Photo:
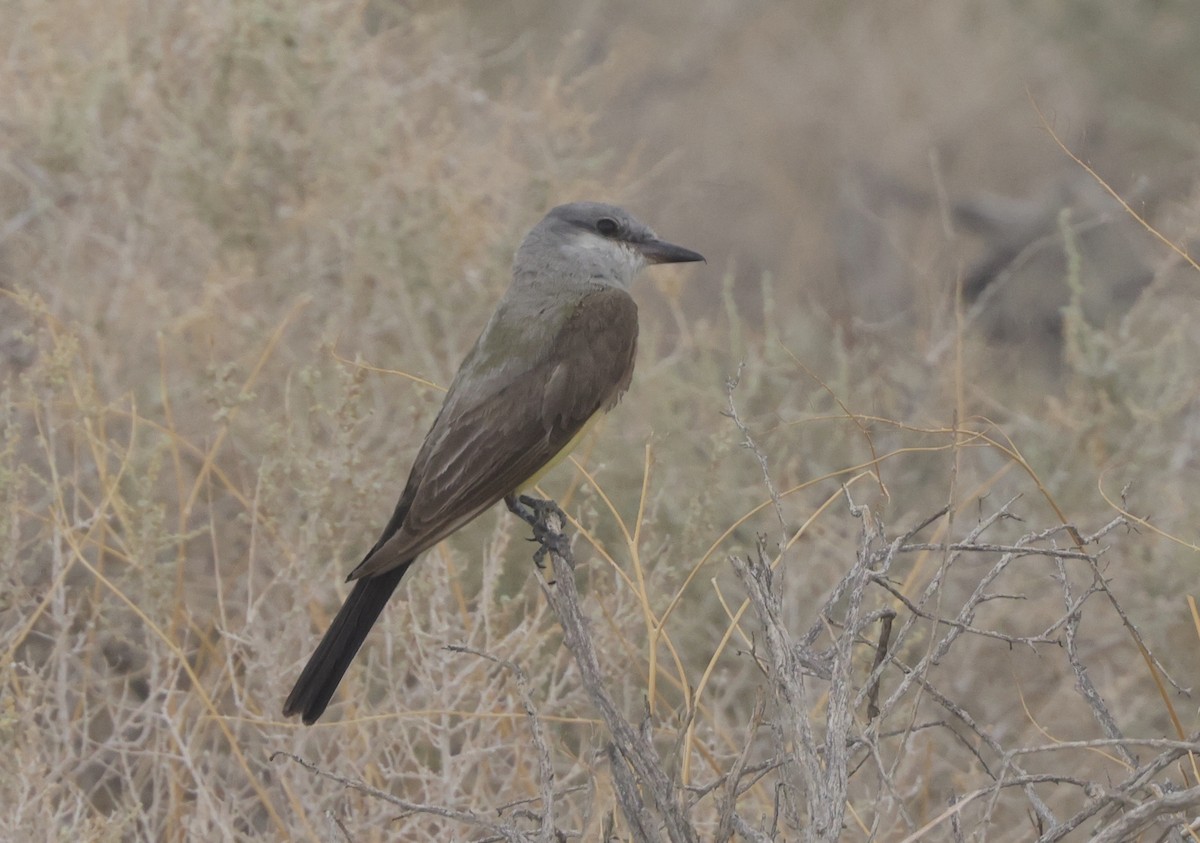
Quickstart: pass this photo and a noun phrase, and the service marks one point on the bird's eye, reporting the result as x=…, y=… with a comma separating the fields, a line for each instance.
x=606, y=226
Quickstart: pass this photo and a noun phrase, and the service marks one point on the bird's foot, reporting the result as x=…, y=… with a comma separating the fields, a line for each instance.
x=534, y=512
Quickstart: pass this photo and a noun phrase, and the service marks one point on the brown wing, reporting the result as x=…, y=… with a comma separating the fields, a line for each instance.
x=486, y=449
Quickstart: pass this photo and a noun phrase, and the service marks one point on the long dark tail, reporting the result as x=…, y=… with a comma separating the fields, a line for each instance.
x=333, y=655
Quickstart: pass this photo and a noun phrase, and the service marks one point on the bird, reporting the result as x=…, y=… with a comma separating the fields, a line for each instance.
x=557, y=353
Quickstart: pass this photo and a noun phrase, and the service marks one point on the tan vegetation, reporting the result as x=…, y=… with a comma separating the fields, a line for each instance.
x=242, y=244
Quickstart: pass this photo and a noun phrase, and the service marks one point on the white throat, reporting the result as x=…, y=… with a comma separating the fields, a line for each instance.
x=601, y=259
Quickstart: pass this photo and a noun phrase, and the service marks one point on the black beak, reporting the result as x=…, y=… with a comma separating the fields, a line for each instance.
x=660, y=251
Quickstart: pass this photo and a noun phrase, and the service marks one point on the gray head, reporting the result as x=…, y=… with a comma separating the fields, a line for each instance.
x=597, y=242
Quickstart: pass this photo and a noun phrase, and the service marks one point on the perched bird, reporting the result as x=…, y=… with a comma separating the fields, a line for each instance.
x=557, y=352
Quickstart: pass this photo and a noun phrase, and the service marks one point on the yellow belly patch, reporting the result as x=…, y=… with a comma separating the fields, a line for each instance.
x=561, y=455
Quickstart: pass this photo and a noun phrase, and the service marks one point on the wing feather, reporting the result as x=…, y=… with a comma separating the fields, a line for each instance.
x=485, y=449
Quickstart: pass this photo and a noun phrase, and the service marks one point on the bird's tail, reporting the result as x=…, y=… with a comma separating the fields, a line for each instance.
x=333, y=655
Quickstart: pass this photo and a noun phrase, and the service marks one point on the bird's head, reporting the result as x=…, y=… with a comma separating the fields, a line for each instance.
x=592, y=240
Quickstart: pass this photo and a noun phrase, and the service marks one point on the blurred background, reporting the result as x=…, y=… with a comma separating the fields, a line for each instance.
x=233, y=236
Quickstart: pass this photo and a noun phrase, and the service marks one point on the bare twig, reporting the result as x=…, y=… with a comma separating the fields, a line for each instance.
x=881, y=649
x=634, y=747
x=824, y=784
x=502, y=831
x=725, y=828
x=731, y=386
x=545, y=766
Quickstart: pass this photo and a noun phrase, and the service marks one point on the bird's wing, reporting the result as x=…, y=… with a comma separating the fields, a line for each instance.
x=482, y=451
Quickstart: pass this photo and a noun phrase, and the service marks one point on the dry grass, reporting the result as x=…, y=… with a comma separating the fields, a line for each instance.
x=241, y=244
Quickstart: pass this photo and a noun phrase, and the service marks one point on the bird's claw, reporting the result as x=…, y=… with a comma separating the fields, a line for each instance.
x=534, y=512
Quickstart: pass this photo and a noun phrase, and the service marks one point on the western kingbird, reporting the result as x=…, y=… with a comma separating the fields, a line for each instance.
x=557, y=353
